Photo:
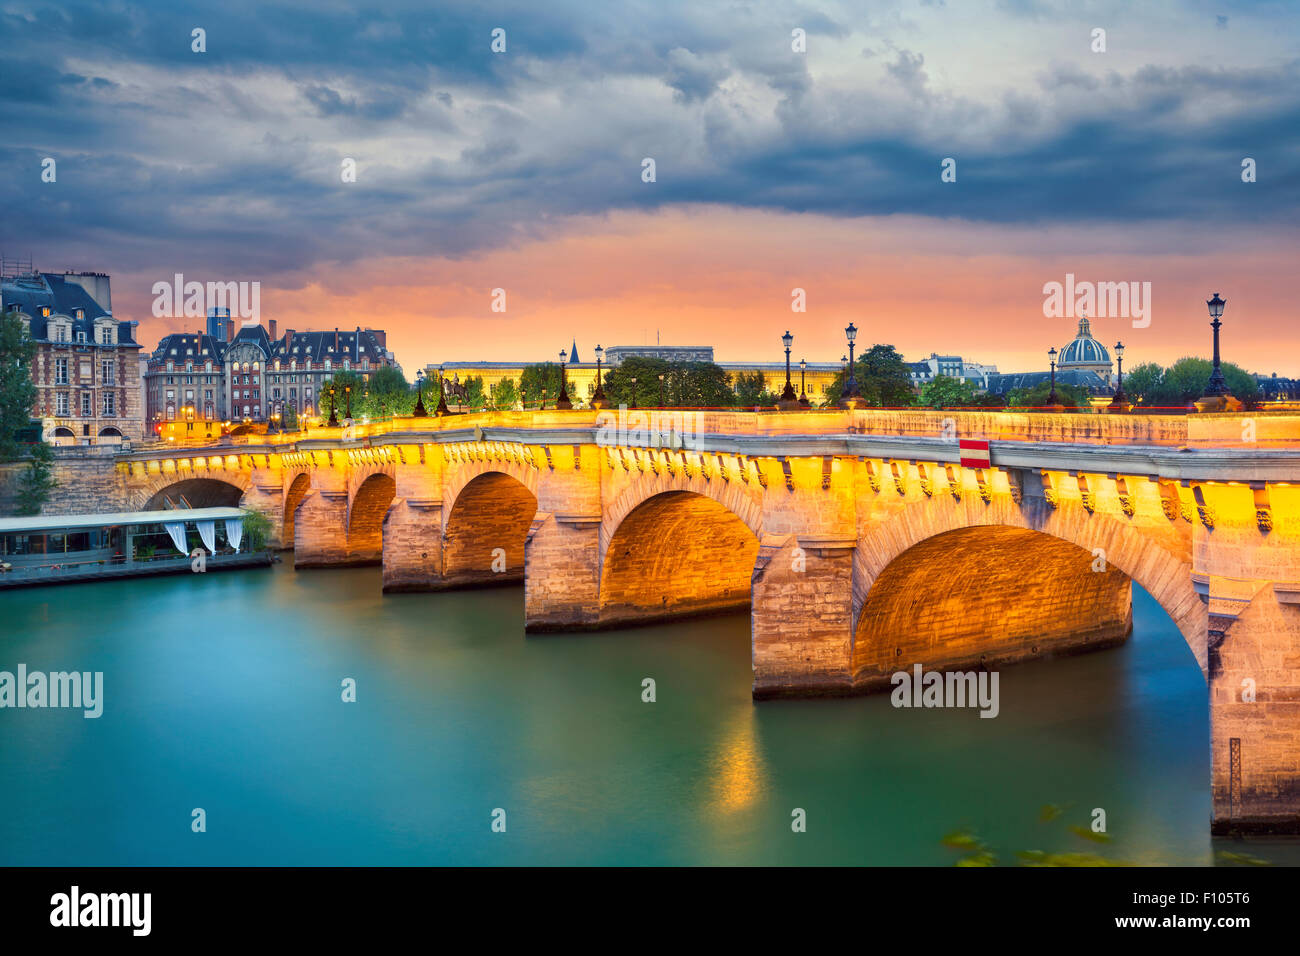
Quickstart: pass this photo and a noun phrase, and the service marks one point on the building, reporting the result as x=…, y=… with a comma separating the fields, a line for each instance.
x=1085, y=354
x=224, y=373
x=86, y=368
x=615, y=354
x=951, y=366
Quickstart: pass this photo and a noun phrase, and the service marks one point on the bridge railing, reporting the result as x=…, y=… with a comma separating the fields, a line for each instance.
x=1259, y=429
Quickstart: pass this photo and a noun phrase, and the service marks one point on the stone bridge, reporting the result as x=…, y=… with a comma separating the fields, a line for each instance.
x=858, y=540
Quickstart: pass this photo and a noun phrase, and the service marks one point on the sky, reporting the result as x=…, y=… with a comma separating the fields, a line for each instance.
x=776, y=168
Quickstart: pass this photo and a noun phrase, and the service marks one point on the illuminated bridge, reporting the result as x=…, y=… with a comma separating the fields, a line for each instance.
x=858, y=540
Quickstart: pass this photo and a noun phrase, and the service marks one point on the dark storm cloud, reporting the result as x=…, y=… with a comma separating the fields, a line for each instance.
x=231, y=158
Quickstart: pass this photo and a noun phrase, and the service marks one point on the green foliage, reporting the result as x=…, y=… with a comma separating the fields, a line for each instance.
x=257, y=531
x=1070, y=396
x=340, y=380
x=475, y=393
x=752, y=390
x=685, y=384
x=978, y=853
x=882, y=378
x=505, y=394
x=289, y=419
x=37, y=481
x=943, y=391
x=536, y=377
x=1149, y=385
x=17, y=392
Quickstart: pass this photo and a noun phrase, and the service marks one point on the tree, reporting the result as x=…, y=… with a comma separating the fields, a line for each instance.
x=536, y=377
x=751, y=390
x=289, y=419
x=505, y=394
x=37, y=481
x=882, y=377
x=341, y=379
x=646, y=371
x=943, y=391
x=475, y=396
x=257, y=530
x=697, y=385
x=1142, y=384
x=17, y=391
x=1070, y=396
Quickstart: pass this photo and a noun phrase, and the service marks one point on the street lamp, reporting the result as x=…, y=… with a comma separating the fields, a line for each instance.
x=633, y=391
x=419, y=395
x=788, y=398
x=1120, y=402
x=542, y=407
x=563, y=400
x=334, y=419
x=1217, y=387
x=851, y=398
x=803, y=390
x=598, y=400
x=661, y=390
x=1052, y=400
x=347, y=397
x=442, y=408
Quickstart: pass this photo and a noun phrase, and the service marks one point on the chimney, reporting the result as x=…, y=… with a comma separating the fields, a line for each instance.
x=288, y=339
x=230, y=331
x=273, y=330
x=336, y=340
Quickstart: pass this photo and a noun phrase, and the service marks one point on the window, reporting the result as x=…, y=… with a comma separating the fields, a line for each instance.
x=106, y=335
x=45, y=312
x=85, y=404
x=171, y=412
x=106, y=368
x=61, y=404
x=81, y=337
x=61, y=371
x=110, y=403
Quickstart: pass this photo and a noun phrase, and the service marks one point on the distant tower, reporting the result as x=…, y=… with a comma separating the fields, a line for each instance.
x=573, y=353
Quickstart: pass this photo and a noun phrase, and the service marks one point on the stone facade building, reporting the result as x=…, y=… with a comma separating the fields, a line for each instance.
x=233, y=374
x=86, y=369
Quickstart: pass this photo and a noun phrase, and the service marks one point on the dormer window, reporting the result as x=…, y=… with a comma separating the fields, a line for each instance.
x=81, y=337
x=45, y=312
x=80, y=313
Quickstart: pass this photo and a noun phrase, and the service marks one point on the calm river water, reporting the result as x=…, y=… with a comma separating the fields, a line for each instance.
x=223, y=692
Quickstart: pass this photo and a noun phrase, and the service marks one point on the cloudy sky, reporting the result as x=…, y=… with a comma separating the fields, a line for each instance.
x=775, y=168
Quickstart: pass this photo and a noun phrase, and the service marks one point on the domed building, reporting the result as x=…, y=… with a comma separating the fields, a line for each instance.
x=1085, y=354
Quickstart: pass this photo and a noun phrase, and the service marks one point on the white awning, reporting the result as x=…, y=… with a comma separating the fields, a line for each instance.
x=34, y=524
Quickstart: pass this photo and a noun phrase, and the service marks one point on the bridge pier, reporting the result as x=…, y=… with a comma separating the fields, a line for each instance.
x=412, y=555
x=802, y=617
x=562, y=582
x=320, y=529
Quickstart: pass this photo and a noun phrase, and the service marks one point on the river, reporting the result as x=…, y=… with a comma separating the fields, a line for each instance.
x=223, y=692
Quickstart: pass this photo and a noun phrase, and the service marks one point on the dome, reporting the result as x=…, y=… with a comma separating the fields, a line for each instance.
x=1084, y=350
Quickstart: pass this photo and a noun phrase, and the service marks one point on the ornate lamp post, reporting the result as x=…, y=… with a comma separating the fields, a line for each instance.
x=633, y=391
x=442, y=408
x=347, y=398
x=803, y=390
x=419, y=395
x=334, y=419
x=563, y=400
x=1120, y=402
x=788, y=398
x=1053, y=402
x=598, y=399
x=852, y=398
x=661, y=390
x=542, y=407
x=1216, y=398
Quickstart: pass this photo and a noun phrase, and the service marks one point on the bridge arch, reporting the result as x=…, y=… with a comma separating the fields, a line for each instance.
x=365, y=519
x=1138, y=553
x=677, y=553
x=296, y=488
x=202, y=492
x=486, y=530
